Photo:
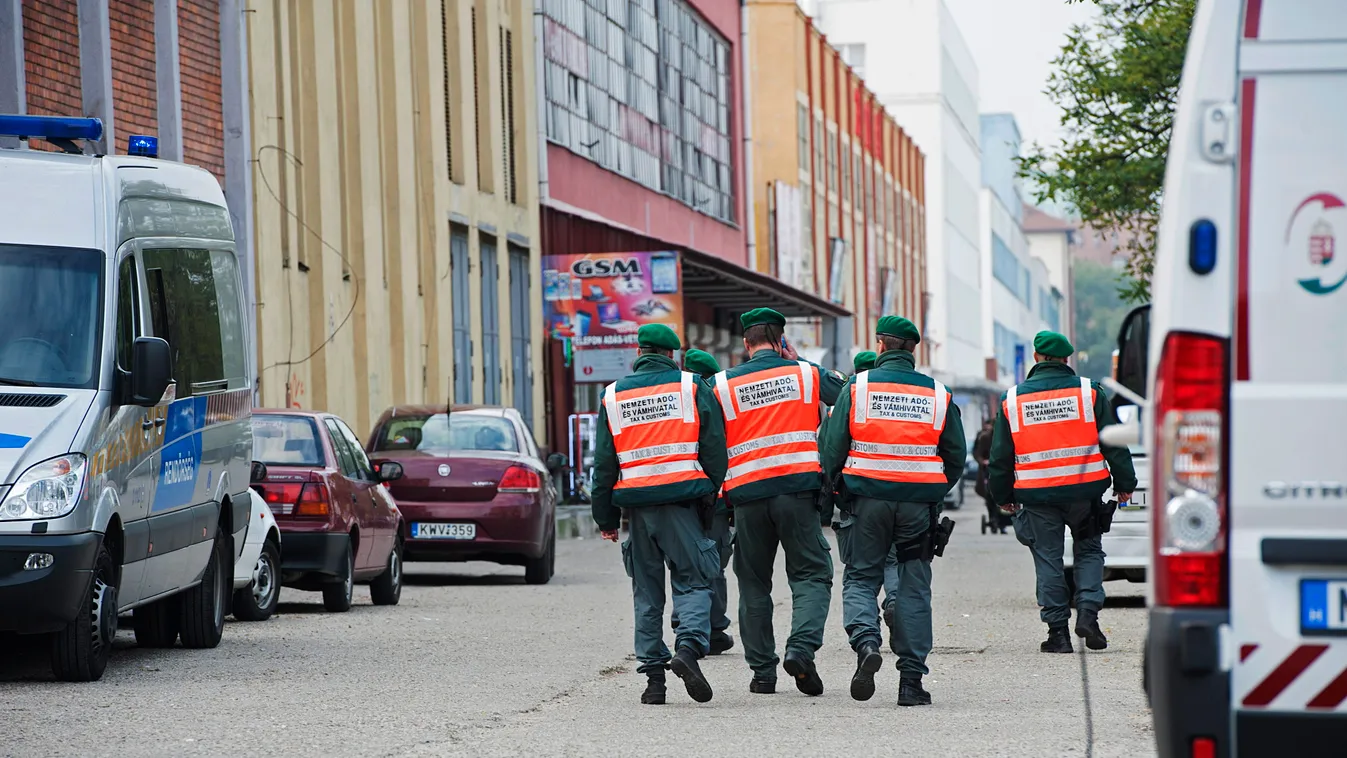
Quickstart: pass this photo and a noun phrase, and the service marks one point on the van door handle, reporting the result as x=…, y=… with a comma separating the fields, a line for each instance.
x=161, y=421
x=147, y=423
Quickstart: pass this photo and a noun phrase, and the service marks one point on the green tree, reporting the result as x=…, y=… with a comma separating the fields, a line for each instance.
x=1097, y=291
x=1117, y=83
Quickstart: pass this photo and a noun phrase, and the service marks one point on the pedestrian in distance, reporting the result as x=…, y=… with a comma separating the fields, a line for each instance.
x=895, y=447
x=982, y=453
x=775, y=487
x=704, y=365
x=660, y=456
x=1049, y=468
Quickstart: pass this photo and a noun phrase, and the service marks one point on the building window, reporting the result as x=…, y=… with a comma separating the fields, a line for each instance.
x=450, y=27
x=507, y=95
x=832, y=161
x=802, y=126
x=490, y=297
x=1005, y=266
x=854, y=56
x=642, y=87
x=846, y=171
x=481, y=109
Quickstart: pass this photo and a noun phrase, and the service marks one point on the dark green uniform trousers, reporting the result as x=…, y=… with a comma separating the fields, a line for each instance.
x=720, y=603
x=791, y=521
x=868, y=540
x=1043, y=529
x=669, y=535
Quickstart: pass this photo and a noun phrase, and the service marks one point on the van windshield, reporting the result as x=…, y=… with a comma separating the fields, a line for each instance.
x=51, y=309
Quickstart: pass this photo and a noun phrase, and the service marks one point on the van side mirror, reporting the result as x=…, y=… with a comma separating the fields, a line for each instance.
x=557, y=462
x=151, y=371
x=1133, y=350
x=259, y=472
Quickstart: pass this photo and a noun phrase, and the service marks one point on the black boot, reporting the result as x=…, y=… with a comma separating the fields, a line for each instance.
x=685, y=667
x=805, y=674
x=720, y=642
x=891, y=621
x=1087, y=626
x=910, y=691
x=654, y=688
x=868, y=662
x=761, y=686
x=1058, y=641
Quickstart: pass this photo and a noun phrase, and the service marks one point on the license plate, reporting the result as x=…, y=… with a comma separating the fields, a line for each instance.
x=1137, y=503
x=444, y=531
x=1323, y=606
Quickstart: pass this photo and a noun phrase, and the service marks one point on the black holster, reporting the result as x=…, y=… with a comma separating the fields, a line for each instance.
x=930, y=545
x=706, y=511
x=1103, y=515
x=841, y=497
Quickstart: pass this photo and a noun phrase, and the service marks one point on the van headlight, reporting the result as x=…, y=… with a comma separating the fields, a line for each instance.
x=49, y=489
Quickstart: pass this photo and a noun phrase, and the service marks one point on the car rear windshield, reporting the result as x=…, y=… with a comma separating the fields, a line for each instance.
x=459, y=431
x=287, y=441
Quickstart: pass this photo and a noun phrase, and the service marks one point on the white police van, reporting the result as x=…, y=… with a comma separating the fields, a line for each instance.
x=1247, y=382
x=125, y=397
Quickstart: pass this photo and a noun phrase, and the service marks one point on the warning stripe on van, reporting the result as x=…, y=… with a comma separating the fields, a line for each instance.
x=1304, y=679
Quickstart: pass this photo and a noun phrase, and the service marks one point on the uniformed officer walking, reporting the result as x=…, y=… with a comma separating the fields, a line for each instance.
x=661, y=456
x=1048, y=465
x=864, y=361
x=774, y=483
x=896, y=439
x=704, y=365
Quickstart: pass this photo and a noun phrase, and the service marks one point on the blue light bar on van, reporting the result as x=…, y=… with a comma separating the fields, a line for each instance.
x=145, y=147
x=51, y=127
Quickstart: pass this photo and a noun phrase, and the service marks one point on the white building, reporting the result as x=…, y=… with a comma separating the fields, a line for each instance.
x=915, y=60
x=1053, y=240
x=1019, y=299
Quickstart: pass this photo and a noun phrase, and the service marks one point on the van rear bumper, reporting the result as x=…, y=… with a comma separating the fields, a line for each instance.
x=1188, y=692
x=1305, y=735
x=44, y=600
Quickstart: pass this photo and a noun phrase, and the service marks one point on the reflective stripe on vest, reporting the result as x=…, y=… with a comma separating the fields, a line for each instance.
x=771, y=423
x=1055, y=437
x=895, y=431
x=655, y=431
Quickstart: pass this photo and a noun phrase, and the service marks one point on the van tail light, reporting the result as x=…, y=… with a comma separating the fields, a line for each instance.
x=1190, y=531
x=520, y=479
x=314, y=500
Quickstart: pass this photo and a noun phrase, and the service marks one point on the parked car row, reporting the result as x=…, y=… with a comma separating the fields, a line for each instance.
x=432, y=484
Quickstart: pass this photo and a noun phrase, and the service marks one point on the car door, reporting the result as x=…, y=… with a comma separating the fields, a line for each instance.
x=383, y=510
x=356, y=495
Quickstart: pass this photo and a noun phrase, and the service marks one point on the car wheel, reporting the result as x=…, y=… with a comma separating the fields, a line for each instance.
x=337, y=595
x=156, y=624
x=258, y=600
x=539, y=570
x=203, y=606
x=79, y=652
x=387, y=587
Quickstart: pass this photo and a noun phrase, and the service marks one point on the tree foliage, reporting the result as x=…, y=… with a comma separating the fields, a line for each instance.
x=1117, y=83
x=1100, y=308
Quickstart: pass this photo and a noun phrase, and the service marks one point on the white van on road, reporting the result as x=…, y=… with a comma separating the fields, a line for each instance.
x=1246, y=378
x=125, y=397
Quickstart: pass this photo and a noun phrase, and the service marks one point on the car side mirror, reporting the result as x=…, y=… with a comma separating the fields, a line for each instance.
x=1133, y=350
x=151, y=371
x=388, y=471
x=259, y=472
x=557, y=462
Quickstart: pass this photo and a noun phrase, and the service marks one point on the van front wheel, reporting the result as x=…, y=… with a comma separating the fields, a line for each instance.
x=203, y=606
x=79, y=652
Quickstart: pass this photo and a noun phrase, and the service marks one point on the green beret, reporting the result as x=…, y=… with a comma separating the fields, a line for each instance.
x=897, y=326
x=864, y=360
x=700, y=362
x=761, y=316
x=657, y=336
x=1053, y=345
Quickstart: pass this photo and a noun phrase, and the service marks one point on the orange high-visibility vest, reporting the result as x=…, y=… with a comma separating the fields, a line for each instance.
x=771, y=423
x=895, y=431
x=655, y=430
x=1055, y=436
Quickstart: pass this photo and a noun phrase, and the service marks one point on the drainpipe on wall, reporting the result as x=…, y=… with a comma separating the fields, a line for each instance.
x=750, y=212
x=540, y=95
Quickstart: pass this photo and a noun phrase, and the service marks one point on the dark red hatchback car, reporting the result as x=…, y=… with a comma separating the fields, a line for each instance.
x=338, y=526
x=473, y=487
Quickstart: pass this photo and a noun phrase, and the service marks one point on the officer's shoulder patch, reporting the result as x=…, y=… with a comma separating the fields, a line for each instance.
x=840, y=376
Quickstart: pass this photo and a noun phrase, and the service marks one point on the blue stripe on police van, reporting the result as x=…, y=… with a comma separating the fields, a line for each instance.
x=180, y=459
x=13, y=442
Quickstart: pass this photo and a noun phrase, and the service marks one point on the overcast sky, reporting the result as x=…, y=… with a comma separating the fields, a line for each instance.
x=1014, y=42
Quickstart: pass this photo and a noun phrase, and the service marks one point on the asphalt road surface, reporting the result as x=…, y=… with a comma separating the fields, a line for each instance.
x=476, y=663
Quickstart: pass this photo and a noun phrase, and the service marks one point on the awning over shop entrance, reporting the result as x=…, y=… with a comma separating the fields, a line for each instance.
x=731, y=287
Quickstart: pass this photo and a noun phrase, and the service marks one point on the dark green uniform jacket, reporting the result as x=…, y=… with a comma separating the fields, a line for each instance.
x=650, y=370
x=1052, y=375
x=830, y=386
x=899, y=367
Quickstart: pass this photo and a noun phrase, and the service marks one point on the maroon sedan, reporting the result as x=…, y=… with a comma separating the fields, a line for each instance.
x=338, y=526
x=474, y=486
